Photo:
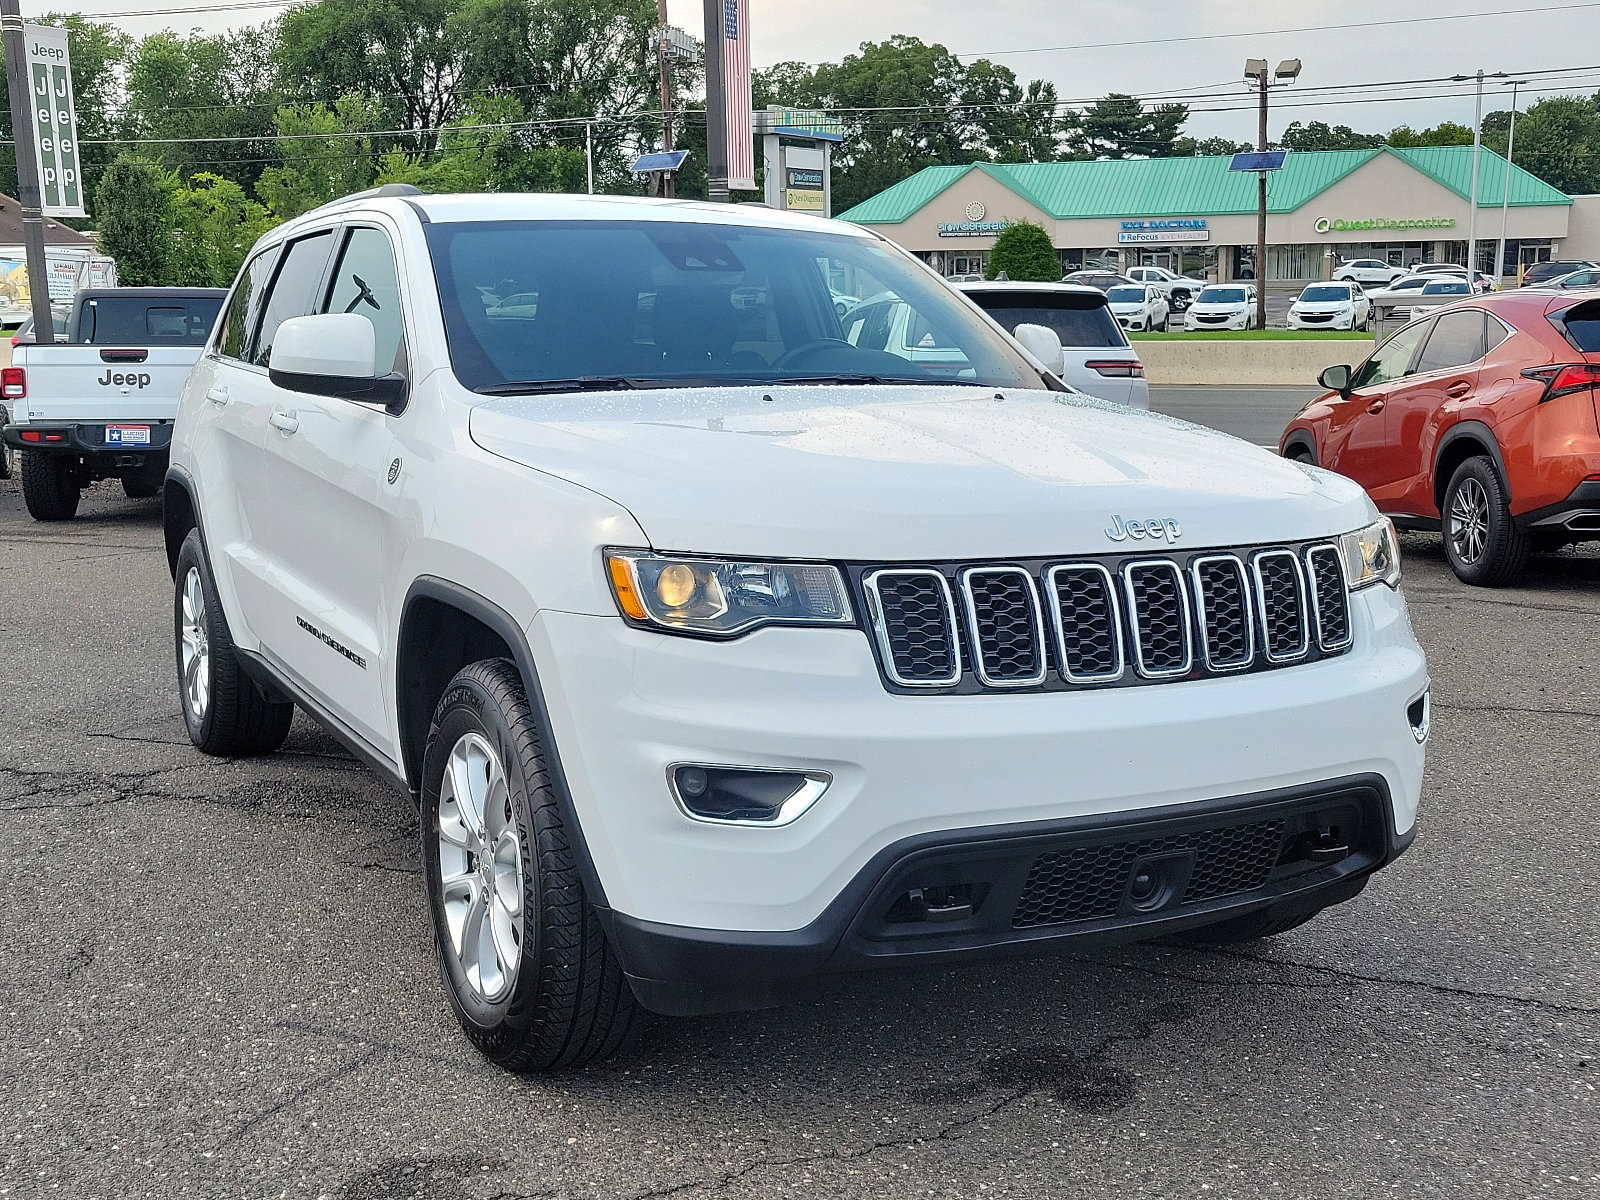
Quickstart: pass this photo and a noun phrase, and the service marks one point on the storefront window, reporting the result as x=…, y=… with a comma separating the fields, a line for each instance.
x=1299, y=261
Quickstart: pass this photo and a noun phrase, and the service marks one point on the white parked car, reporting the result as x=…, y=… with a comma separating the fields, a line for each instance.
x=1139, y=307
x=1438, y=292
x=1223, y=306
x=1399, y=294
x=1331, y=306
x=1095, y=354
x=1587, y=278
x=1179, y=290
x=719, y=654
x=1369, y=270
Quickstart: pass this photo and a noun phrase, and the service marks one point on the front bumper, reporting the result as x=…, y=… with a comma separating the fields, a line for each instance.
x=1002, y=891
x=1192, y=322
x=625, y=704
x=1340, y=321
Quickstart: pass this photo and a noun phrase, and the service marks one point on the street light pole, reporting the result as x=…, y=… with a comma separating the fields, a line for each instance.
x=29, y=198
x=1255, y=71
x=1505, y=190
x=1472, y=213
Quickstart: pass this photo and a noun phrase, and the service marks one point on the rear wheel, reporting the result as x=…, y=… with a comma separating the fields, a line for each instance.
x=226, y=714
x=1482, y=542
x=50, y=486
x=524, y=959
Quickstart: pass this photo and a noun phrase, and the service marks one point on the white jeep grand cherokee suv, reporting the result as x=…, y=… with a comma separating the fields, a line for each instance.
x=721, y=654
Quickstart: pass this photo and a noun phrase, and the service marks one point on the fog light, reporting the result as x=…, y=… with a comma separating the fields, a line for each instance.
x=745, y=795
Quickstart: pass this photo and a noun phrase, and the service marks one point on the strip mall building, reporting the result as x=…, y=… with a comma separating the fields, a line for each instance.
x=1195, y=216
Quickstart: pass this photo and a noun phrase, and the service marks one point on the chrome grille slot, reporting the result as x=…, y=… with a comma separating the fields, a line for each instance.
x=1281, y=599
x=1330, y=597
x=1004, y=625
x=1222, y=601
x=1158, y=612
x=1087, y=622
x=913, y=618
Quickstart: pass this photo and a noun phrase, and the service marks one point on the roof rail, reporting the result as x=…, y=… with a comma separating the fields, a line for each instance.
x=385, y=189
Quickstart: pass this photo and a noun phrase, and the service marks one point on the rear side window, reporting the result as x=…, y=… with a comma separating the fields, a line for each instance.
x=1458, y=338
x=294, y=291
x=1581, y=324
x=1081, y=322
x=147, y=321
x=244, y=306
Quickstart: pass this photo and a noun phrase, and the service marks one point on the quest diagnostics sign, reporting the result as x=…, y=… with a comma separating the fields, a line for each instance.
x=1164, y=231
x=1340, y=225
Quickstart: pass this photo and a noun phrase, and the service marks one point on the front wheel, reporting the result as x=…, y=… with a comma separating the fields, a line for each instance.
x=50, y=486
x=524, y=959
x=1483, y=543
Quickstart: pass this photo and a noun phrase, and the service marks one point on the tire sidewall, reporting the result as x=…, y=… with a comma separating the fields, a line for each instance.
x=192, y=556
x=469, y=707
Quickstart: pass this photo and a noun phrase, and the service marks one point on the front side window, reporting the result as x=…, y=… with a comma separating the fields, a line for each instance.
x=245, y=305
x=530, y=305
x=294, y=291
x=366, y=283
x=1392, y=359
x=1457, y=339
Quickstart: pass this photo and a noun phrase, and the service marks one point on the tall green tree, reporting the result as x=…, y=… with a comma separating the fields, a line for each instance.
x=206, y=101
x=1022, y=250
x=1187, y=147
x=408, y=55
x=1446, y=133
x=134, y=218
x=214, y=224
x=485, y=152
x=1120, y=126
x=1318, y=135
x=1558, y=139
x=327, y=152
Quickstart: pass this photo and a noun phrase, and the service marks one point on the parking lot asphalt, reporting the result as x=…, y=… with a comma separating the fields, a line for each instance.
x=216, y=979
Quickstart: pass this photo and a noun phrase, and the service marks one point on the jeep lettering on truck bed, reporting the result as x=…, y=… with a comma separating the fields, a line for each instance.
x=723, y=652
x=100, y=405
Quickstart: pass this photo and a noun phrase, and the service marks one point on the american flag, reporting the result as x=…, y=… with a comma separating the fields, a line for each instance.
x=736, y=95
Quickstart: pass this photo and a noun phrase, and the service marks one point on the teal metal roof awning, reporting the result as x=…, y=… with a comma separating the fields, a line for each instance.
x=1118, y=187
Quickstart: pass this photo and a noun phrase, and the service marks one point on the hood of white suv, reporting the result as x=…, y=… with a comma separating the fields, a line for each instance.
x=902, y=473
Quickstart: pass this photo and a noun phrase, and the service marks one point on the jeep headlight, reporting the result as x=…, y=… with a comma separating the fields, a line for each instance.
x=1371, y=555
x=724, y=597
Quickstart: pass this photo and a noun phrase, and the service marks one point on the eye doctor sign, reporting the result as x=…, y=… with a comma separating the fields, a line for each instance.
x=55, y=120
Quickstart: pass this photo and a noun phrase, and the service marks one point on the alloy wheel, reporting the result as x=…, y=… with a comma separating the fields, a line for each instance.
x=194, y=649
x=480, y=868
x=1469, y=521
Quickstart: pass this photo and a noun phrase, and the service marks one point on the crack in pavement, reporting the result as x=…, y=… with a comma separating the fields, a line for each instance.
x=1514, y=708
x=296, y=1096
x=122, y=786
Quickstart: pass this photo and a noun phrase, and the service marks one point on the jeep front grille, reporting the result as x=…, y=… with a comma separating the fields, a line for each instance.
x=1047, y=625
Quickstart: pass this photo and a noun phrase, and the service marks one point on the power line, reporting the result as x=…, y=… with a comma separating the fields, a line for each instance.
x=1213, y=37
x=239, y=6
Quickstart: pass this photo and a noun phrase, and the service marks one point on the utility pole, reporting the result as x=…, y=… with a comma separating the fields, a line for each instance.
x=588, y=152
x=1255, y=71
x=28, y=193
x=1505, y=190
x=664, y=53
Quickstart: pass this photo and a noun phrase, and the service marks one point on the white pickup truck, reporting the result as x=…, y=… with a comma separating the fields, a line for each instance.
x=100, y=405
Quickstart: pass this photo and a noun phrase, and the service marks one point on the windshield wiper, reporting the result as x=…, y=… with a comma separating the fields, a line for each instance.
x=583, y=383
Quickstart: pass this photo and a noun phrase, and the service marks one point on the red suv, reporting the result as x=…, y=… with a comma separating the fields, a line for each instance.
x=1479, y=419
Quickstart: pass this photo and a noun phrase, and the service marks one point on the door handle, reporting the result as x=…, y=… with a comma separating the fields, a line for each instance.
x=285, y=423
x=1375, y=407
x=1458, y=389
x=218, y=395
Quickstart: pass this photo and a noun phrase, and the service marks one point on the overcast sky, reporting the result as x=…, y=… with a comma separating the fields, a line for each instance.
x=1526, y=41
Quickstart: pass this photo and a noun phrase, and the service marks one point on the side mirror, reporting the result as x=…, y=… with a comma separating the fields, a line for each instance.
x=1043, y=343
x=1336, y=379
x=333, y=354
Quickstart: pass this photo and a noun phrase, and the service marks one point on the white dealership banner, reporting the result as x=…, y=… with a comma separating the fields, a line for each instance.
x=55, y=120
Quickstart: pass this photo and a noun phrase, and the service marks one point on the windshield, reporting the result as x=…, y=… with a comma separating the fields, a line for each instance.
x=1081, y=321
x=1220, y=295
x=665, y=303
x=1126, y=295
x=1324, y=293
x=1447, y=288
